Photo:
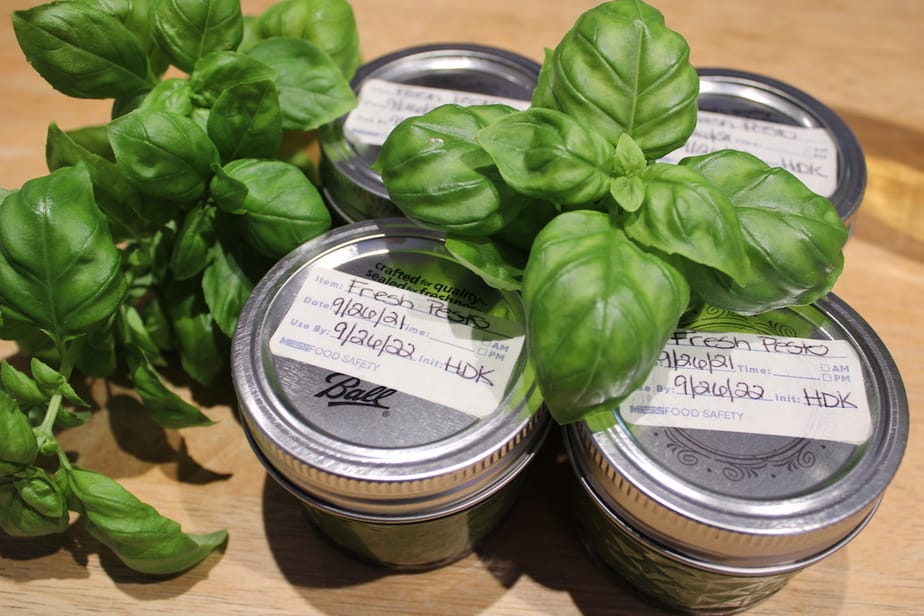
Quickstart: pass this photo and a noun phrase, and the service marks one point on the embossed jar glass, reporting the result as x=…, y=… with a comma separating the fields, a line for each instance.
x=385, y=386
x=711, y=521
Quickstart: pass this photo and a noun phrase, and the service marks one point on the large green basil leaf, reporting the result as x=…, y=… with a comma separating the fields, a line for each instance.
x=794, y=238
x=142, y=538
x=117, y=198
x=59, y=268
x=82, y=51
x=547, y=154
x=683, y=213
x=621, y=70
x=17, y=441
x=190, y=29
x=246, y=121
x=218, y=71
x=439, y=176
x=329, y=24
x=280, y=208
x=163, y=154
x=598, y=312
x=312, y=90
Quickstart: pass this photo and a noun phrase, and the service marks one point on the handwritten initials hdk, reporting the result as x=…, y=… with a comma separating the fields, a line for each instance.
x=345, y=390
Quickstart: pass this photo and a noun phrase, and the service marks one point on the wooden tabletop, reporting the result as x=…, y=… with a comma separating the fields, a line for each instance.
x=861, y=58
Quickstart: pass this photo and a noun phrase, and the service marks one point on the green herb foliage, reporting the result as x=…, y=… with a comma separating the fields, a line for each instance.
x=151, y=229
x=566, y=201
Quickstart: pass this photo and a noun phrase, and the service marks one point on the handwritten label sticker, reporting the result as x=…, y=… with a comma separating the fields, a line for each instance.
x=809, y=153
x=384, y=104
x=400, y=339
x=757, y=384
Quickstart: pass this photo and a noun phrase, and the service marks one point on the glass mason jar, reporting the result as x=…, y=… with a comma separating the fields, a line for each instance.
x=708, y=493
x=387, y=388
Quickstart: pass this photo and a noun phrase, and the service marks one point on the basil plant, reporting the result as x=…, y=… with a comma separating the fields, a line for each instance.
x=139, y=248
x=566, y=202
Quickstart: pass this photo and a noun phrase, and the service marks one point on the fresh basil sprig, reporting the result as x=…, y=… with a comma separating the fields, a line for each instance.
x=610, y=247
x=147, y=236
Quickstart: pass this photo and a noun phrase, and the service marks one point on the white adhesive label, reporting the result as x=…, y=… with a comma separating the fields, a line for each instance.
x=400, y=339
x=384, y=104
x=756, y=384
x=808, y=153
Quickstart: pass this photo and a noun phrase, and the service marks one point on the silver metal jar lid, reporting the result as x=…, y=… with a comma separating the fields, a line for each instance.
x=432, y=74
x=381, y=379
x=820, y=149
x=749, y=501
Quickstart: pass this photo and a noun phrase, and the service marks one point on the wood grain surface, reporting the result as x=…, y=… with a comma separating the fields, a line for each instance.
x=863, y=59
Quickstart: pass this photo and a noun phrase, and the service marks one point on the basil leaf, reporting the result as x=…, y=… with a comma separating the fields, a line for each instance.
x=281, y=208
x=32, y=504
x=312, y=90
x=522, y=230
x=20, y=386
x=82, y=51
x=142, y=538
x=117, y=199
x=51, y=382
x=329, y=24
x=246, y=121
x=77, y=280
x=628, y=192
x=163, y=405
x=92, y=138
x=163, y=154
x=189, y=29
x=134, y=332
x=794, y=238
x=172, y=95
x=439, y=176
x=95, y=352
x=30, y=339
x=221, y=70
x=135, y=16
x=627, y=189
x=194, y=241
x=18, y=444
x=226, y=287
x=157, y=326
x=685, y=214
x=548, y=155
x=621, y=70
x=498, y=265
x=598, y=311
x=202, y=348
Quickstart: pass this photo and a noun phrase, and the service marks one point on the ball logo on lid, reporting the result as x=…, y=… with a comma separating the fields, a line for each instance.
x=346, y=390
